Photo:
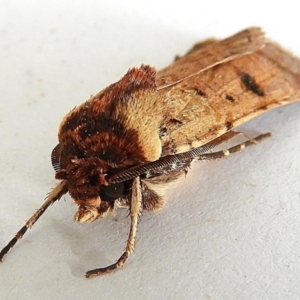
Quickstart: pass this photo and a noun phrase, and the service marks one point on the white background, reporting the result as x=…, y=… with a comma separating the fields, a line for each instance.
x=230, y=230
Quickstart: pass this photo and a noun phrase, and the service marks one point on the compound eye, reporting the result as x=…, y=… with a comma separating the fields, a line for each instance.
x=112, y=192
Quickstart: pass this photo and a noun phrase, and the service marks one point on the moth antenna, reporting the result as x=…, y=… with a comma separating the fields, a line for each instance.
x=135, y=211
x=53, y=196
x=55, y=157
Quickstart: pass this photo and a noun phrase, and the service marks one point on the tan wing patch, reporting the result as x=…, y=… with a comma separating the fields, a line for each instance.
x=227, y=95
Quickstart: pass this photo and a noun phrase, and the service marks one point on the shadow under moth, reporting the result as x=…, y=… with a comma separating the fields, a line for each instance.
x=124, y=145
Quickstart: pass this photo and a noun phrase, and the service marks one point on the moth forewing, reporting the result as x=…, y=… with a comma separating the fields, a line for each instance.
x=211, y=101
x=123, y=146
x=211, y=54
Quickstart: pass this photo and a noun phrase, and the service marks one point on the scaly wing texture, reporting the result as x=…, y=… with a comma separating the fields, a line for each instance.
x=211, y=53
x=210, y=101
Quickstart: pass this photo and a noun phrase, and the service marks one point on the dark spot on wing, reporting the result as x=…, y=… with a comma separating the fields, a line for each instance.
x=229, y=125
x=229, y=98
x=176, y=121
x=200, y=93
x=265, y=107
x=251, y=84
x=162, y=132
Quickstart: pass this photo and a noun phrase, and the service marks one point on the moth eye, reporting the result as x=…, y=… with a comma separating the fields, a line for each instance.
x=112, y=192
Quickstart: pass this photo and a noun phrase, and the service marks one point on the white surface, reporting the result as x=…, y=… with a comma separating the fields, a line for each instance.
x=231, y=230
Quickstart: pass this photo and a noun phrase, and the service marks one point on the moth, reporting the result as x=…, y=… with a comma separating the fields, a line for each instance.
x=123, y=146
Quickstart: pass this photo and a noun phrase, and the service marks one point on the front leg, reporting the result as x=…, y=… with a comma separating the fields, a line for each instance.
x=135, y=210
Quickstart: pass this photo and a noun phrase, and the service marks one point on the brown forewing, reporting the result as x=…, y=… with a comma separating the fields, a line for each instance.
x=209, y=53
x=225, y=91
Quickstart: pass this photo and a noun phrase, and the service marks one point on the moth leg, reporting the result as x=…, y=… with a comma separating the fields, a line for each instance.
x=221, y=139
x=54, y=195
x=135, y=210
x=234, y=149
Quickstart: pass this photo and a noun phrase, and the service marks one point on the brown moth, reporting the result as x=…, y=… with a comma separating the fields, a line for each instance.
x=124, y=145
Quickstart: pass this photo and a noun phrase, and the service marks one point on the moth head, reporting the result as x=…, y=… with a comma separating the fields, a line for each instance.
x=86, y=182
x=100, y=206
x=113, y=130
